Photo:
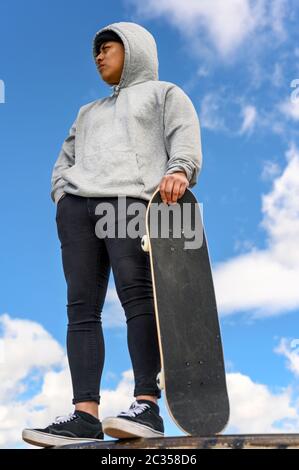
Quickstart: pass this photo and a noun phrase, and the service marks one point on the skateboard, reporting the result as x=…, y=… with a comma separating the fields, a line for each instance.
x=192, y=364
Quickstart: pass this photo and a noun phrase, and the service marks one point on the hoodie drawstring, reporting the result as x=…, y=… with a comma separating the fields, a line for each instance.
x=116, y=90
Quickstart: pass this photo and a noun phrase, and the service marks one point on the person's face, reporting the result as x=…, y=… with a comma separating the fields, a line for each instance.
x=110, y=61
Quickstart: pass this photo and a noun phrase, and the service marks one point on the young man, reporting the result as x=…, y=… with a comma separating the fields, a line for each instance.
x=145, y=135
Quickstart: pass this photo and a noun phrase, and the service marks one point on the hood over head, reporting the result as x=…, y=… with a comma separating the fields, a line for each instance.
x=106, y=36
x=141, y=56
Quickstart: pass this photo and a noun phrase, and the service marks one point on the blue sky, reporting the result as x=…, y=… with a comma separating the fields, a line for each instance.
x=236, y=62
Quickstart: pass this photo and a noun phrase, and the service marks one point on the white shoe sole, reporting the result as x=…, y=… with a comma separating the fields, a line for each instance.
x=42, y=439
x=122, y=428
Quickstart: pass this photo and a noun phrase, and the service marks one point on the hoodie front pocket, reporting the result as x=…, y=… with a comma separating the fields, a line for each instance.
x=113, y=168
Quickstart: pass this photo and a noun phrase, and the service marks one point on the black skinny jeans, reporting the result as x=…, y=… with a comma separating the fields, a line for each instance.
x=87, y=261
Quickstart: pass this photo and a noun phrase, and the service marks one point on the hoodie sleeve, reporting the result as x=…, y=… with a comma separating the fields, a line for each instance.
x=66, y=159
x=182, y=135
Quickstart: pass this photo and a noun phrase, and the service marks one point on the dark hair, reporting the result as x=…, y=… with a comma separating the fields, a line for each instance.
x=105, y=36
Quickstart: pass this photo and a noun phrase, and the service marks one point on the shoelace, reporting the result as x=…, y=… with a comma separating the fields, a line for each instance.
x=135, y=409
x=64, y=419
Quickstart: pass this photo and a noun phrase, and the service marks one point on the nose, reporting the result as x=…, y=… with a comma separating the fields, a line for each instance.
x=98, y=57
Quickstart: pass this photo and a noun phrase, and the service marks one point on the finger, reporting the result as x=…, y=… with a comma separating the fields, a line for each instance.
x=183, y=188
x=162, y=189
x=176, y=191
x=168, y=189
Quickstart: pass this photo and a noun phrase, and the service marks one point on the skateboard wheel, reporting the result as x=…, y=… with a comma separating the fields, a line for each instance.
x=160, y=380
x=145, y=243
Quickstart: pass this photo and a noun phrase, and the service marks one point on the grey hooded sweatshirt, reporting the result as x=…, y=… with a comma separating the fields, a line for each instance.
x=123, y=144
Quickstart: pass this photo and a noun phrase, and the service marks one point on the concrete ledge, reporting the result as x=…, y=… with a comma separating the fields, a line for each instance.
x=238, y=441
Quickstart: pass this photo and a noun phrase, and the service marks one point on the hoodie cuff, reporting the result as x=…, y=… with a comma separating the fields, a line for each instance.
x=174, y=169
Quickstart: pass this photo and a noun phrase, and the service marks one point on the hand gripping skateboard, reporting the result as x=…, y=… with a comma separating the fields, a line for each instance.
x=192, y=366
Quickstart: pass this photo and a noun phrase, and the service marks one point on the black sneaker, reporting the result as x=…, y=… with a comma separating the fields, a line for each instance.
x=142, y=420
x=71, y=429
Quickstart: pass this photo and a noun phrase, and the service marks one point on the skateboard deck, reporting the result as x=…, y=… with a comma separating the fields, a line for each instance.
x=192, y=364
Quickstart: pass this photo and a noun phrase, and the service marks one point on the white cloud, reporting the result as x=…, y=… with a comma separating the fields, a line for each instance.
x=290, y=349
x=266, y=281
x=202, y=71
x=277, y=75
x=278, y=13
x=242, y=246
x=29, y=353
x=26, y=347
x=249, y=118
x=113, y=313
x=114, y=401
x=270, y=170
x=192, y=81
x=290, y=108
x=210, y=115
x=225, y=26
x=219, y=110
x=36, y=384
x=255, y=409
